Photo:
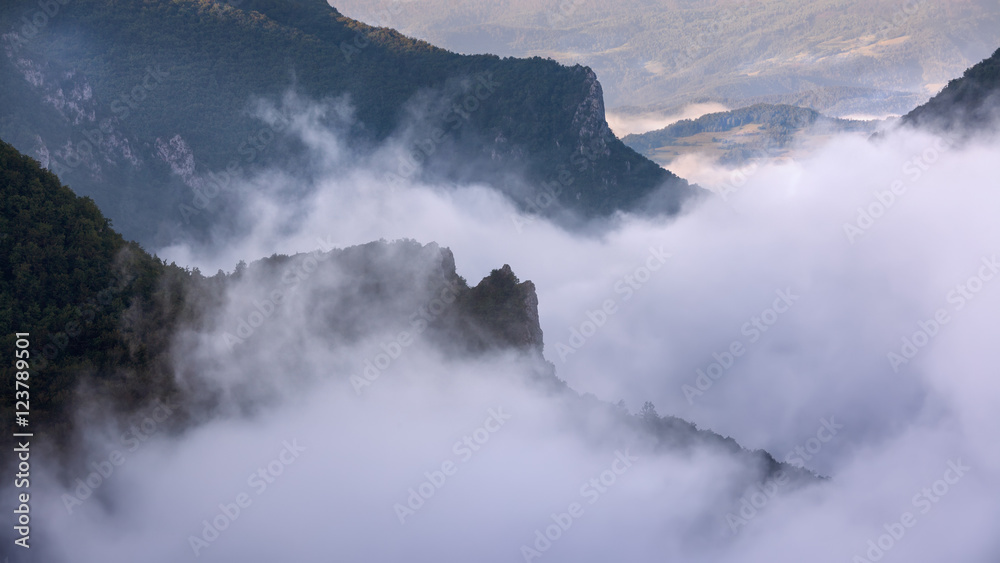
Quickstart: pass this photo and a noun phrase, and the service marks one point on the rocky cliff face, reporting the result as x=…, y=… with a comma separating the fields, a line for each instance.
x=500, y=312
x=67, y=97
x=589, y=120
x=382, y=286
x=53, y=113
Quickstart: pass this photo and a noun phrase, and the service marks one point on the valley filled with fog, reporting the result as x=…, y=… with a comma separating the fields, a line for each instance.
x=782, y=264
x=383, y=337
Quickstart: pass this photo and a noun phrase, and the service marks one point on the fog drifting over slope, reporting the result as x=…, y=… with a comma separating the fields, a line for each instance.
x=682, y=291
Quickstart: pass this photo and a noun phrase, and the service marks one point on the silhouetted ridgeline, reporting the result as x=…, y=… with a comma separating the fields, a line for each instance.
x=967, y=104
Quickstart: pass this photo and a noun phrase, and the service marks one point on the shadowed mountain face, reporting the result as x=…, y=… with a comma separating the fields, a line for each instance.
x=970, y=104
x=127, y=105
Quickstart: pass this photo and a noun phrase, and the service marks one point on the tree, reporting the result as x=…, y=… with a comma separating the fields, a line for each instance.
x=648, y=411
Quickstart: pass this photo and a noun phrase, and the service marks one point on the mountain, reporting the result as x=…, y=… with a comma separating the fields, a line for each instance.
x=861, y=57
x=114, y=330
x=114, y=98
x=732, y=137
x=970, y=103
x=103, y=314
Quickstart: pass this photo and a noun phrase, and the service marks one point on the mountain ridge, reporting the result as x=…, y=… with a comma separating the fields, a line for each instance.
x=80, y=99
x=757, y=131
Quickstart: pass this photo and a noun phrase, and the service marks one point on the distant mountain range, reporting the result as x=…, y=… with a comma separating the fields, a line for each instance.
x=733, y=137
x=861, y=57
x=968, y=105
x=150, y=107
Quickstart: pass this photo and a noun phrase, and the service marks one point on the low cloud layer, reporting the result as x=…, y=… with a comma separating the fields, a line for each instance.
x=838, y=312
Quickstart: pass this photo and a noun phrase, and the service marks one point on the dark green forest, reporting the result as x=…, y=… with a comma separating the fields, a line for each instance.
x=67, y=278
